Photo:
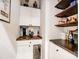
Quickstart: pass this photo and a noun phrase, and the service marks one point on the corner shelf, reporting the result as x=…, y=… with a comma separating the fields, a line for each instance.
x=63, y=4
x=67, y=24
x=68, y=12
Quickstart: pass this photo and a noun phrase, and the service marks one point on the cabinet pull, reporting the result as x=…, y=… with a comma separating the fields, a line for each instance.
x=57, y=50
x=30, y=42
x=29, y=45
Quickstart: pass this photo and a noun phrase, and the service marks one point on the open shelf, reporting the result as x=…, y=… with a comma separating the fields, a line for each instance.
x=68, y=12
x=67, y=24
x=63, y=4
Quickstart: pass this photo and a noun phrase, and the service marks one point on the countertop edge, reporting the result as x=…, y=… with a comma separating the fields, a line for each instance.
x=28, y=40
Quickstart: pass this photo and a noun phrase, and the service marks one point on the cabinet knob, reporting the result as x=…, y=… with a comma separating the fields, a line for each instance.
x=30, y=42
x=57, y=50
x=29, y=45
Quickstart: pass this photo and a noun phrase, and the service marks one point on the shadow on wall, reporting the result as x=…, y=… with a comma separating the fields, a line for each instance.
x=6, y=49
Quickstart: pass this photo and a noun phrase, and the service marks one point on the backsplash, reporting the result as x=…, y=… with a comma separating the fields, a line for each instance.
x=35, y=30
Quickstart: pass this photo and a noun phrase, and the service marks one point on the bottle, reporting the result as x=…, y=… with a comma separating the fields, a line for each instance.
x=35, y=4
x=71, y=39
x=67, y=35
x=26, y=3
x=38, y=33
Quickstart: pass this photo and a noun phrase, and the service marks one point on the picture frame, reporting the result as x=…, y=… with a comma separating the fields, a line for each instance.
x=5, y=10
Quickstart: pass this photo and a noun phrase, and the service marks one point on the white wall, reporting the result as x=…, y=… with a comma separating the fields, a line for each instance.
x=42, y=26
x=53, y=32
x=9, y=33
x=48, y=22
x=6, y=47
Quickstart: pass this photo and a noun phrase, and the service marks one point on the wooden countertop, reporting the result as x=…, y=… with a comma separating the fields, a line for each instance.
x=28, y=38
x=65, y=44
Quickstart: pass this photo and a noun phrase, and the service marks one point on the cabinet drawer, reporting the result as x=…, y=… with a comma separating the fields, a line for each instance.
x=24, y=48
x=23, y=42
x=29, y=42
x=36, y=42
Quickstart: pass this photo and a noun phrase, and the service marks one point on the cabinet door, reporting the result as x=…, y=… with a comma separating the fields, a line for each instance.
x=25, y=15
x=38, y=41
x=35, y=17
x=24, y=51
x=51, y=53
x=29, y=16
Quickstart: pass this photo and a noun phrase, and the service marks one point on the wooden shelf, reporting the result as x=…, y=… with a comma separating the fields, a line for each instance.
x=63, y=4
x=68, y=24
x=68, y=12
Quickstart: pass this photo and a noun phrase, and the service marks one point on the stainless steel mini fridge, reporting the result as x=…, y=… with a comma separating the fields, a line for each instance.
x=37, y=51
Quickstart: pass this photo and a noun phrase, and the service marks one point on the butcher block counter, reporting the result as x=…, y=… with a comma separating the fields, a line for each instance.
x=28, y=38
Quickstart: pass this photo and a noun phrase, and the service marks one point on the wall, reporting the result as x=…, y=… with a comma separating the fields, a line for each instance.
x=48, y=22
x=42, y=26
x=52, y=31
x=9, y=33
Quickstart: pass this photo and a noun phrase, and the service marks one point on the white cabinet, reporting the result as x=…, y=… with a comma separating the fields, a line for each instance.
x=25, y=48
x=55, y=52
x=39, y=41
x=25, y=15
x=51, y=52
x=29, y=16
x=36, y=17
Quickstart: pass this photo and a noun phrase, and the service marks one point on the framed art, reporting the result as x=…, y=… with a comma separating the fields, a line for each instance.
x=5, y=10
